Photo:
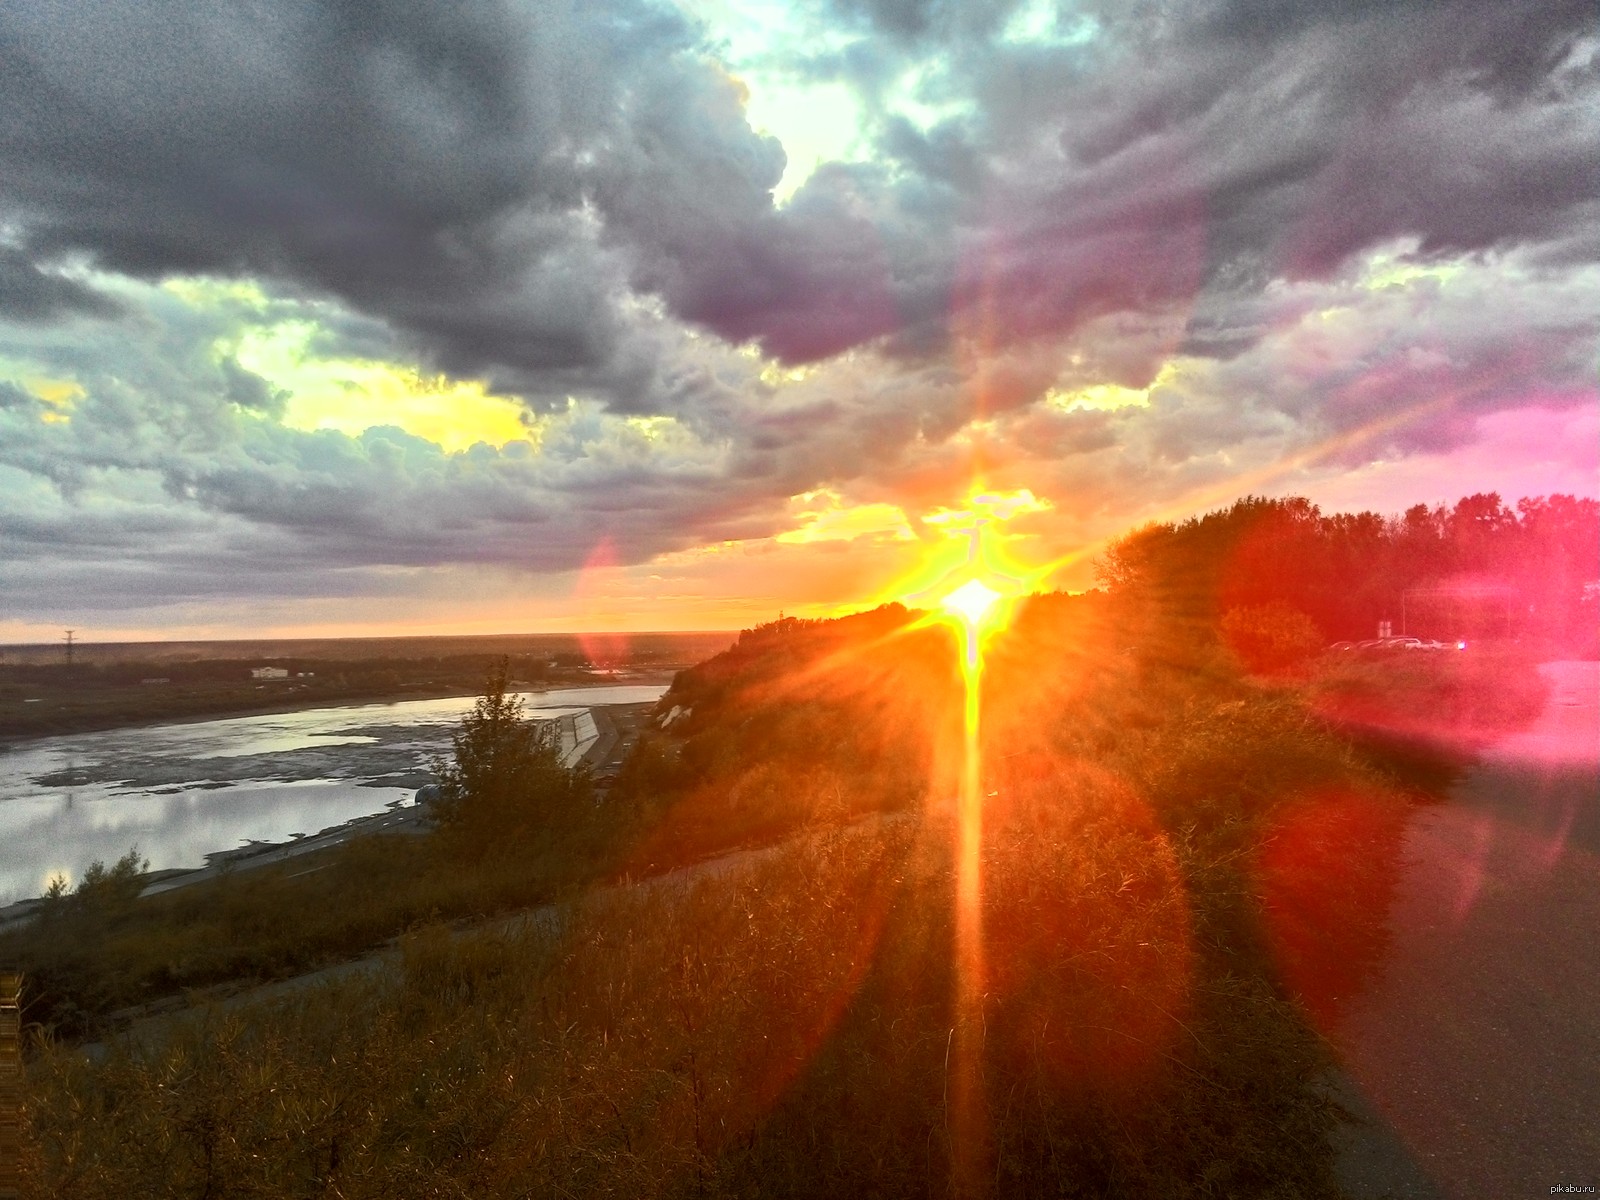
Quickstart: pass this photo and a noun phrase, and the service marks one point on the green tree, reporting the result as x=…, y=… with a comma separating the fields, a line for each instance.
x=504, y=780
x=102, y=889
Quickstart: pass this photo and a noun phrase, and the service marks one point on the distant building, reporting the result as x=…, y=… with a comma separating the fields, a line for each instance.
x=269, y=673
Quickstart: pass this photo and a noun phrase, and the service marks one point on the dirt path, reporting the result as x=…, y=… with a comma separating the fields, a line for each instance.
x=1477, y=1048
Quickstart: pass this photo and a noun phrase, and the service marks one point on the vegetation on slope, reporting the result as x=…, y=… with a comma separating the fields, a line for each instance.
x=1185, y=872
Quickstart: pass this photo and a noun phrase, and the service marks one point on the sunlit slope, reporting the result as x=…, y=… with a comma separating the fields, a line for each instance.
x=1184, y=875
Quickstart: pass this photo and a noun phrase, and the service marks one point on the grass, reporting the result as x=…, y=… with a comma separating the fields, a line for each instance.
x=750, y=1034
x=1185, y=873
x=84, y=963
x=1451, y=698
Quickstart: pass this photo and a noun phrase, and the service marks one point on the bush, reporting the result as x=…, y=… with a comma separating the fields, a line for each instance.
x=102, y=890
x=1269, y=638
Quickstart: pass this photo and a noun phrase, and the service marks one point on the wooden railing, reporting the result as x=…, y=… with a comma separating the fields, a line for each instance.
x=10, y=1083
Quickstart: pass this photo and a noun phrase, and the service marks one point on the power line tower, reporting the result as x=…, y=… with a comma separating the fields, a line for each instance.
x=70, y=632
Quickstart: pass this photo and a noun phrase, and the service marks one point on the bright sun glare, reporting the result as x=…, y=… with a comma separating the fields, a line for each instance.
x=972, y=602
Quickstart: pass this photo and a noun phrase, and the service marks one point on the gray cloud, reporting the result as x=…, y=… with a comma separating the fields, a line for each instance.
x=567, y=201
x=30, y=292
x=445, y=172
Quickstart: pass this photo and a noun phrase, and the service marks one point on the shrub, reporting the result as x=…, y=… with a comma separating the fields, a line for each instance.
x=1269, y=638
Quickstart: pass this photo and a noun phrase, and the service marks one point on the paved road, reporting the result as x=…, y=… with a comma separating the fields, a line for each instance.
x=1477, y=1048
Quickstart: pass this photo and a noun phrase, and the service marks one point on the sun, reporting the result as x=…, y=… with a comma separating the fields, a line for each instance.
x=973, y=601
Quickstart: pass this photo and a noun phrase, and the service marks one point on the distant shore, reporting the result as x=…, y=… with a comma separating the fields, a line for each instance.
x=617, y=730
x=101, y=722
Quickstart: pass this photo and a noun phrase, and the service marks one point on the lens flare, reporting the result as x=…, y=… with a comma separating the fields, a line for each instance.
x=973, y=601
x=972, y=585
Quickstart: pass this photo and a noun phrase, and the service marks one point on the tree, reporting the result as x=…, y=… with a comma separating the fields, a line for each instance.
x=1131, y=562
x=102, y=889
x=1270, y=637
x=505, y=778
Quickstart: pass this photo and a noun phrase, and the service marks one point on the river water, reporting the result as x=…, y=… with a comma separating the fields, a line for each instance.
x=179, y=792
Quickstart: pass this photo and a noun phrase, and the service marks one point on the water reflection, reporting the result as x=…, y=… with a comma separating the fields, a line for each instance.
x=181, y=791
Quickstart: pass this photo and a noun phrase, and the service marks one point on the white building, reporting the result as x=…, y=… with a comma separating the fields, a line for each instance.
x=269, y=673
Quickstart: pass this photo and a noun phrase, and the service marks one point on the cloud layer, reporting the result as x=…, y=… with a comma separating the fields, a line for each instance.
x=1327, y=236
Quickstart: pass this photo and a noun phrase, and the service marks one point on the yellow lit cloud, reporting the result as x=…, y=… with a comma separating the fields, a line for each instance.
x=986, y=506
x=1107, y=397
x=201, y=291
x=974, y=548
x=652, y=429
x=775, y=374
x=58, y=397
x=826, y=518
x=1395, y=268
x=816, y=122
x=351, y=395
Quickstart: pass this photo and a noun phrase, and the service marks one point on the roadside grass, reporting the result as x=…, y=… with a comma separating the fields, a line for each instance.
x=780, y=1030
x=1453, y=699
x=83, y=962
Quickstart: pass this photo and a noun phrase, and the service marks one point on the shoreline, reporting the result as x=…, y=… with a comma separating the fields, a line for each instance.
x=397, y=817
x=9, y=741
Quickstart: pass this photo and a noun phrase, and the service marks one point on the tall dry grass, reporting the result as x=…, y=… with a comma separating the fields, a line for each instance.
x=780, y=1028
x=1183, y=875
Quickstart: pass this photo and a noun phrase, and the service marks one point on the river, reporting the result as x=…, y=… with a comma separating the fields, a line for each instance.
x=179, y=792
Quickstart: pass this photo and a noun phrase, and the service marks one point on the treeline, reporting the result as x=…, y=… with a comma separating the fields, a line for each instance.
x=467, y=667
x=1478, y=569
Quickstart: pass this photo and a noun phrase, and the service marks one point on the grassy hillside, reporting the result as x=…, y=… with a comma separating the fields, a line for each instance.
x=1184, y=872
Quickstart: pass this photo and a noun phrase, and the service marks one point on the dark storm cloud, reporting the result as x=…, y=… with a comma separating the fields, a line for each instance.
x=487, y=180
x=30, y=293
x=414, y=159
x=1510, y=48
x=920, y=19
x=1201, y=144
x=1184, y=150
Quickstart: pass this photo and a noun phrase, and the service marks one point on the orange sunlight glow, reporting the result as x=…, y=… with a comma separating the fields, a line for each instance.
x=977, y=588
x=974, y=603
x=968, y=577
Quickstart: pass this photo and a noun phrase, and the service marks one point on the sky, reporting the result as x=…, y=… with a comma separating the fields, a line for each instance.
x=332, y=319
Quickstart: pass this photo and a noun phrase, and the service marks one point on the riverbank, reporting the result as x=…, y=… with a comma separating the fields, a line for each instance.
x=180, y=796
x=281, y=697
